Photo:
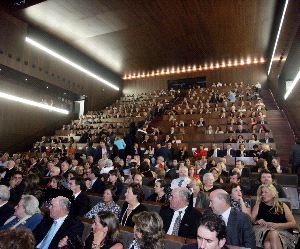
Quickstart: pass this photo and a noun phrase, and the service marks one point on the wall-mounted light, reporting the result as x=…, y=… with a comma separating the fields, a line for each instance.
x=294, y=83
x=194, y=68
x=69, y=62
x=32, y=103
x=278, y=34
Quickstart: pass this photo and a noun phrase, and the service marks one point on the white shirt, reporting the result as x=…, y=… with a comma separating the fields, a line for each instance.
x=3, y=204
x=225, y=215
x=175, y=215
x=75, y=195
x=93, y=181
x=185, y=181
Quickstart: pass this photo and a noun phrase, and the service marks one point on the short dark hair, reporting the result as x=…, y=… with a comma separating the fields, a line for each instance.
x=79, y=181
x=214, y=224
x=231, y=186
x=265, y=171
x=137, y=190
x=113, y=190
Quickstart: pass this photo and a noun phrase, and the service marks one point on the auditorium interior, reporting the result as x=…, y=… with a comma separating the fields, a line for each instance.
x=185, y=74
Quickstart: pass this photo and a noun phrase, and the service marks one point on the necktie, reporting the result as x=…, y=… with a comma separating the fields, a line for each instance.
x=49, y=236
x=180, y=183
x=177, y=224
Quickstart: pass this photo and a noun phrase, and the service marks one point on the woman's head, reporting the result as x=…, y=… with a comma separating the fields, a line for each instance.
x=159, y=186
x=267, y=193
x=17, y=238
x=234, y=190
x=109, y=194
x=56, y=182
x=114, y=176
x=134, y=193
x=108, y=223
x=148, y=230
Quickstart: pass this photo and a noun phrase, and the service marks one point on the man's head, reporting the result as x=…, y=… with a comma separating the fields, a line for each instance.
x=265, y=177
x=59, y=207
x=16, y=179
x=138, y=179
x=234, y=177
x=183, y=171
x=219, y=201
x=77, y=184
x=64, y=166
x=239, y=164
x=179, y=198
x=211, y=232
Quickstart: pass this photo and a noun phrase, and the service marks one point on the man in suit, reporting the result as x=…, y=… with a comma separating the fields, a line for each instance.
x=6, y=209
x=215, y=151
x=81, y=204
x=239, y=228
x=240, y=168
x=170, y=169
x=229, y=151
x=266, y=139
x=59, y=225
x=16, y=187
x=242, y=152
x=9, y=171
x=180, y=218
x=211, y=233
x=97, y=185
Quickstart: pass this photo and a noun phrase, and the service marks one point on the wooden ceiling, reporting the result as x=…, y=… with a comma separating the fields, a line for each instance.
x=134, y=36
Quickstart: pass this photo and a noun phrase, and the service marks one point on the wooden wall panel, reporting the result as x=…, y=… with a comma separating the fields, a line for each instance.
x=248, y=74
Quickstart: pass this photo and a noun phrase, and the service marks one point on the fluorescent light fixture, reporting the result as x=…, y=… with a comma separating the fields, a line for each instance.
x=32, y=103
x=278, y=34
x=294, y=83
x=69, y=62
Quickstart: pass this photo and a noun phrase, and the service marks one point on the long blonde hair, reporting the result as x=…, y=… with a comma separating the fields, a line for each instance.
x=278, y=205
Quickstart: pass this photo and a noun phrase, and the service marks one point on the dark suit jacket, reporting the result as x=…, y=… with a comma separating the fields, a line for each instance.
x=129, y=222
x=195, y=246
x=8, y=174
x=239, y=230
x=6, y=211
x=189, y=223
x=71, y=228
x=98, y=187
x=232, y=152
x=81, y=205
x=171, y=174
x=246, y=153
x=211, y=152
x=263, y=140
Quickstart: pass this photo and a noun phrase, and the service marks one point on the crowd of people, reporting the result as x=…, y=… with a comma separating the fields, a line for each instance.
x=46, y=196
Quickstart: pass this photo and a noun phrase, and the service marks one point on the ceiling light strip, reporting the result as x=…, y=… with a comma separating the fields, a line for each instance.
x=278, y=34
x=32, y=103
x=194, y=68
x=69, y=62
x=294, y=83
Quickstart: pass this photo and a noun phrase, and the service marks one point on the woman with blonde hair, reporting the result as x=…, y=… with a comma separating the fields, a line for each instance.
x=148, y=231
x=273, y=220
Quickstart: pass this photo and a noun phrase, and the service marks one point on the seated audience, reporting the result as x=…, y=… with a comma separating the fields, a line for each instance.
x=242, y=152
x=229, y=151
x=211, y=233
x=6, y=208
x=57, y=225
x=27, y=214
x=239, y=228
x=159, y=194
x=81, y=203
x=266, y=177
x=277, y=168
x=17, y=238
x=273, y=218
x=97, y=185
x=241, y=169
x=183, y=180
x=236, y=198
x=115, y=179
x=179, y=217
x=132, y=205
x=105, y=233
x=108, y=203
x=201, y=152
x=148, y=231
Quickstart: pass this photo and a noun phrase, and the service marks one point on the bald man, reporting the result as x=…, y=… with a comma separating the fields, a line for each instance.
x=239, y=228
x=59, y=225
x=180, y=218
